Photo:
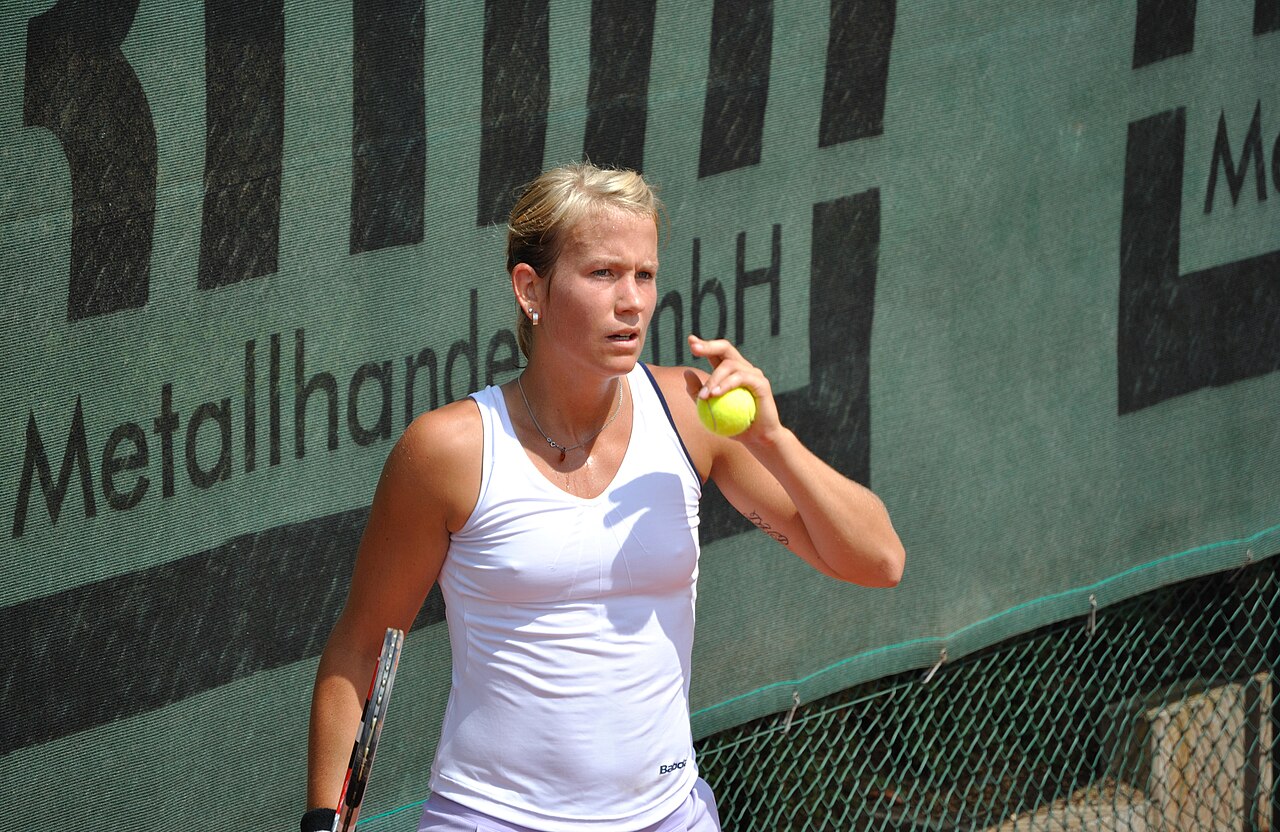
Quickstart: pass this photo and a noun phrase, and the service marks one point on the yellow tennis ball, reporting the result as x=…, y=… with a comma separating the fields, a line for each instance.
x=728, y=414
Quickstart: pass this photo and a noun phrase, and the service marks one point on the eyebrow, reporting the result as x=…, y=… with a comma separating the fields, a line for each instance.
x=605, y=260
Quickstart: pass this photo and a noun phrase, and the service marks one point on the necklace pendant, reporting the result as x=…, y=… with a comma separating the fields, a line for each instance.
x=561, y=448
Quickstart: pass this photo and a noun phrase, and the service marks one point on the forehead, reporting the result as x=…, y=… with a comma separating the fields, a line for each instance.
x=613, y=231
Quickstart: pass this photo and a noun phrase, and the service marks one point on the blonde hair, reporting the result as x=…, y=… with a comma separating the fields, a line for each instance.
x=551, y=205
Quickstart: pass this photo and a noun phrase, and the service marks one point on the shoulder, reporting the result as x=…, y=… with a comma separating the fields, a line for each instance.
x=438, y=460
x=449, y=429
x=678, y=386
x=673, y=382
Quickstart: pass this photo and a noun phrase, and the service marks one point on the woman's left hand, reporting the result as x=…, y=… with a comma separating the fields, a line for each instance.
x=729, y=370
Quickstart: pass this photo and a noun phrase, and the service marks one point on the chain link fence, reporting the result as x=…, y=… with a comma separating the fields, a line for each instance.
x=1157, y=713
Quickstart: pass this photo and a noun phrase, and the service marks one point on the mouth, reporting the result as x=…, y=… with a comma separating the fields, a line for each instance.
x=625, y=337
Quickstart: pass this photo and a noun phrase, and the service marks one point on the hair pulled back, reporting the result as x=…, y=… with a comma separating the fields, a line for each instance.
x=551, y=205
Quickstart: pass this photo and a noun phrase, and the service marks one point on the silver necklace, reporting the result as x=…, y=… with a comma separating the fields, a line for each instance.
x=553, y=443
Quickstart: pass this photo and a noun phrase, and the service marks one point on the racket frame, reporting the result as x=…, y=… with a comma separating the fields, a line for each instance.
x=372, y=718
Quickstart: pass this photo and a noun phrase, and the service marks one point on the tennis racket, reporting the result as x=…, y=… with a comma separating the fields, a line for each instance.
x=371, y=722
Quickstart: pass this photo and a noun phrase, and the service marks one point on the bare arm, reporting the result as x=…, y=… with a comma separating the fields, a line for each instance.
x=836, y=525
x=427, y=489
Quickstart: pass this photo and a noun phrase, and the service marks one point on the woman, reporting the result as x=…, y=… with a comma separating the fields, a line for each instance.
x=559, y=514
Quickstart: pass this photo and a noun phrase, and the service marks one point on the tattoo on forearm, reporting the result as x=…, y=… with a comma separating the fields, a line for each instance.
x=760, y=524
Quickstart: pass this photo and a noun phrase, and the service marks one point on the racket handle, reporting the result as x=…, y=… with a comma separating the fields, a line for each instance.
x=318, y=820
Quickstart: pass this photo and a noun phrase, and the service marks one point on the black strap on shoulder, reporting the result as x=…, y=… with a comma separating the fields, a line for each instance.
x=663, y=400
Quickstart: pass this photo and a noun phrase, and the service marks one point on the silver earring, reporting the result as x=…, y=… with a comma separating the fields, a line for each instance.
x=534, y=316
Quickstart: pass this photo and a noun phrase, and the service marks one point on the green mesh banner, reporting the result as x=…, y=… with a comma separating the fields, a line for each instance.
x=1017, y=266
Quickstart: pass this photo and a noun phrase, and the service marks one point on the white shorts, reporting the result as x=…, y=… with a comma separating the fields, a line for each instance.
x=697, y=814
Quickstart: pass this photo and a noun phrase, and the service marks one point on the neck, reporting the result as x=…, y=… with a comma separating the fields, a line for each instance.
x=568, y=418
x=567, y=402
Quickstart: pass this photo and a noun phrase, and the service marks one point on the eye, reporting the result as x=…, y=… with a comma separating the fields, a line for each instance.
x=643, y=275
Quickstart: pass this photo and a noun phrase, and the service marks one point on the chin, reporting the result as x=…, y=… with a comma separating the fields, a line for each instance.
x=620, y=365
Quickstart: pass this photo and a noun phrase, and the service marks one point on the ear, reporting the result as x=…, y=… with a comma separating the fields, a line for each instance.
x=527, y=286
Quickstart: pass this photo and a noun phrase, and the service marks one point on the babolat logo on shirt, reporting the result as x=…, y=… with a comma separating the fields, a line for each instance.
x=672, y=767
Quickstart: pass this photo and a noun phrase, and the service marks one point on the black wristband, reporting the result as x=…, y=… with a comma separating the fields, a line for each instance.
x=318, y=820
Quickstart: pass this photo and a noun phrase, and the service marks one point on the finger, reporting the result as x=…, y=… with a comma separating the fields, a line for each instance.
x=718, y=385
x=737, y=375
x=728, y=368
x=713, y=385
x=714, y=351
x=698, y=347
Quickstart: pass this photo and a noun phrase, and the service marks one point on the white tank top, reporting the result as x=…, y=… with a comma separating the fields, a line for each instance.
x=571, y=627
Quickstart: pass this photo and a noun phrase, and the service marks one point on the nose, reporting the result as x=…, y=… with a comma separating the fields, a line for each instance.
x=630, y=298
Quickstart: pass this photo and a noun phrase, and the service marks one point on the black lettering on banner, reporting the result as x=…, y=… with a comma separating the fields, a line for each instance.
x=220, y=414
x=769, y=275
x=1163, y=29
x=35, y=461
x=1266, y=16
x=516, y=95
x=857, y=74
x=388, y=127
x=618, y=85
x=673, y=304
x=80, y=87
x=832, y=415
x=1179, y=333
x=698, y=292
x=165, y=424
x=502, y=340
x=380, y=373
x=113, y=464
x=425, y=359
x=1250, y=153
x=1182, y=332
x=737, y=85
x=273, y=413
x=244, y=144
x=250, y=406
x=468, y=349
x=302, y=393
